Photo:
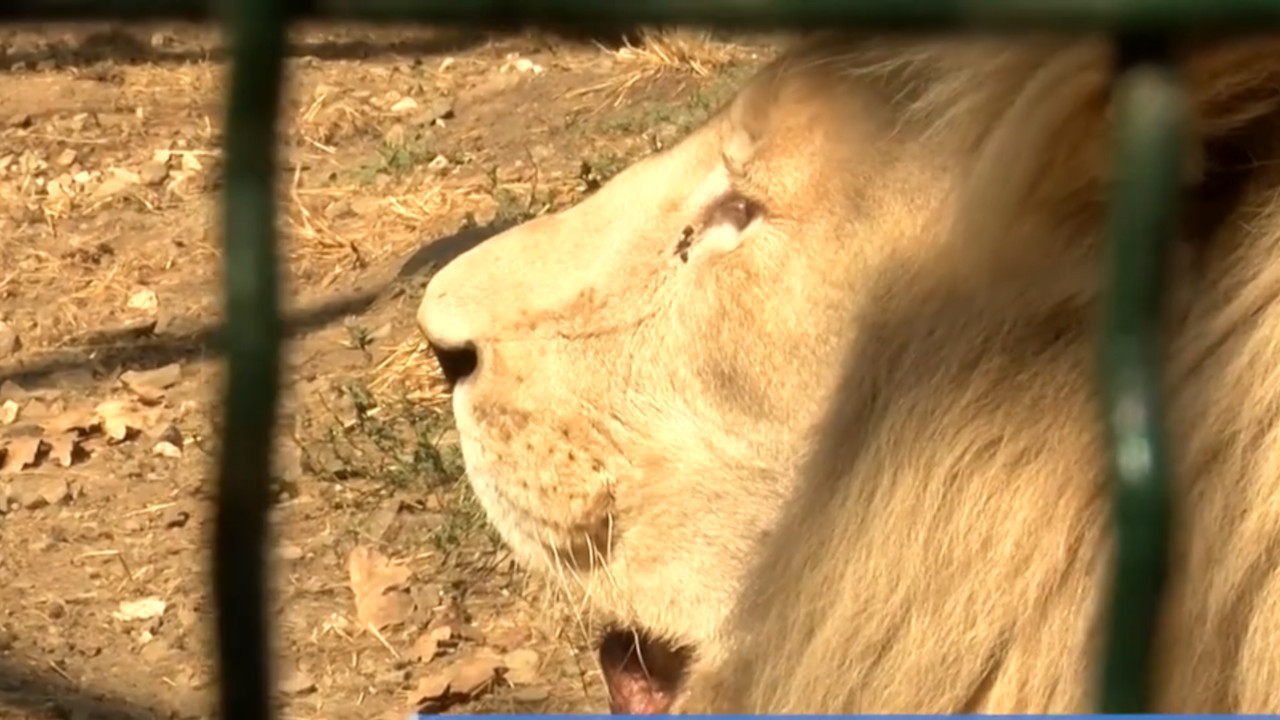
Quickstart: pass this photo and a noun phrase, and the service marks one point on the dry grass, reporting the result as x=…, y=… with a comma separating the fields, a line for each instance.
x=677, y=49
x=664, y=51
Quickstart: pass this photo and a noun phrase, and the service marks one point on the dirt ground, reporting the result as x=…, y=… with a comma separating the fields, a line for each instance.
x=399, y=147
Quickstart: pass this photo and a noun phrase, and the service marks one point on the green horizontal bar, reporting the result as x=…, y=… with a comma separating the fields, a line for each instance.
x=1145, y=15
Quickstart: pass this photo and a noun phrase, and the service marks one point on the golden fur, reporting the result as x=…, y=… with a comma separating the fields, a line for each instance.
x=866, y=420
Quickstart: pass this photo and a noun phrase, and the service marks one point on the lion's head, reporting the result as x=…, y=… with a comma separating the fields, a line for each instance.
x=828, y=364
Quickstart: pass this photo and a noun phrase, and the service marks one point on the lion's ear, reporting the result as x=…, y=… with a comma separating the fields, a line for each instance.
x=749, y=116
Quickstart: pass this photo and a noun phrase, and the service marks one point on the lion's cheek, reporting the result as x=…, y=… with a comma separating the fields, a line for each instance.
x=544, y=493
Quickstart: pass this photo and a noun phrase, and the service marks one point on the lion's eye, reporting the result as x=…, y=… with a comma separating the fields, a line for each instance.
x=733, y=210
x=720, y=226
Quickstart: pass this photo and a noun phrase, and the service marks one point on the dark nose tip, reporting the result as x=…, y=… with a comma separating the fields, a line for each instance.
x=457, y=363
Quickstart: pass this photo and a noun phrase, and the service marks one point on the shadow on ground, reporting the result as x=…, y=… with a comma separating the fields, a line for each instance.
x=136, y=347
x=32, y=694
x=124, y=47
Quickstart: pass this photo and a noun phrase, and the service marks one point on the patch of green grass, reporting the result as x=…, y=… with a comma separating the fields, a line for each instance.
x=512, y=209
x=402, y=445
x=681, y=117
x=600, y=167
x=399, y=158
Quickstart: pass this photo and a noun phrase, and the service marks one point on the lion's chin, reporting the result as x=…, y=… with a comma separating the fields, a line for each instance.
x=643, y=674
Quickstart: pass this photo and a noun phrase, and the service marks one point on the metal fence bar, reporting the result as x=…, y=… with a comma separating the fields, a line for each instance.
x=1151, y=132
x=951, y=15
x=252, y=341
x=1151, y=120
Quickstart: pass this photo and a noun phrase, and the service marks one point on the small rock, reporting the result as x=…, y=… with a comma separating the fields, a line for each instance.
x=19, y=121
x=67, y=157
x=153, y=173
x=8, y=412
x=141, y=609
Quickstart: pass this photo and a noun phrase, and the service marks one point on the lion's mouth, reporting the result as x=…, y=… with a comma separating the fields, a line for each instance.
x=643, y=674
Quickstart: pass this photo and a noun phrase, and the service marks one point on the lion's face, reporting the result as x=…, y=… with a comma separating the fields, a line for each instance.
x=638, y=377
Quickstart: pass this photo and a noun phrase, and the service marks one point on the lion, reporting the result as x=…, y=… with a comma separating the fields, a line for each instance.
x=806, y=404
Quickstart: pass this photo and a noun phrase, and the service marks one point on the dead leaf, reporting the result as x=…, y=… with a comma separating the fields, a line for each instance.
x=80, y=420
x=457, y=682
x=123, y=419
x=114, y=420
x=62, y=449
x=474, y=674
x=20, y=453
x=431, y=691
x=36, y=491
x=378, y=586
x=425, y=647
x=151, y=384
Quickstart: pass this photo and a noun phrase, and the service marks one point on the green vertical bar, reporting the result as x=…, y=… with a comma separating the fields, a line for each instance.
x=252, y=337
x=1151, y=118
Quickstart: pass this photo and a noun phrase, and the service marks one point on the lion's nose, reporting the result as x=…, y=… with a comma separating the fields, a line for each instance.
x=450, y=329
x=457, y=362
